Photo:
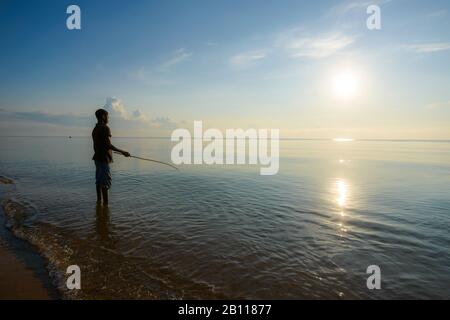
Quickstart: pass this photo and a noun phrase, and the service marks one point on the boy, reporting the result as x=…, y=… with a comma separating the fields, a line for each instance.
x=101, y=135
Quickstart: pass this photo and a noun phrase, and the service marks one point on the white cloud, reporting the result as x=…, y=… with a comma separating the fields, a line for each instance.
x=138, y=115
x=429, y=47
x=301, y=45
x=117, y=109
x=177, y=57
x=248, y=58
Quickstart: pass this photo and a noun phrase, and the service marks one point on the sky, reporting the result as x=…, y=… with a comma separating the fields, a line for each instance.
x=309, y=68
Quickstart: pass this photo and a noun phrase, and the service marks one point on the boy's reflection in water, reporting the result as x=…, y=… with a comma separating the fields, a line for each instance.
x=103, y=227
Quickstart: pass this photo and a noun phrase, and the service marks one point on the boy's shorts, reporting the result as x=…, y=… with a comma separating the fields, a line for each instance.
x=102, y=175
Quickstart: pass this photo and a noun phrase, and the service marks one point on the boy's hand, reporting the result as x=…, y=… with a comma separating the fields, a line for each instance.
x=126, y=154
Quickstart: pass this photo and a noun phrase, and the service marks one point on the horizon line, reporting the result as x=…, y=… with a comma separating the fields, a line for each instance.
x=281, y=138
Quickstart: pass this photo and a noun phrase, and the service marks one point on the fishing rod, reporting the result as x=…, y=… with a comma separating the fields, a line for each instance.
x=151, y=160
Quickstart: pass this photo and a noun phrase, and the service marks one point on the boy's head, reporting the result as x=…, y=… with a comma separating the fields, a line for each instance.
x=102, y=115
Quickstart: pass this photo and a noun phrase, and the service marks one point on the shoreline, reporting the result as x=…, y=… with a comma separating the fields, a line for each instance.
x=23, y=271
x=18, y=281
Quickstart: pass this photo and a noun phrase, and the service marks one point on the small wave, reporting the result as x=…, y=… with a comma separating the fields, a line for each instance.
x=6, y=180
x=105, y=273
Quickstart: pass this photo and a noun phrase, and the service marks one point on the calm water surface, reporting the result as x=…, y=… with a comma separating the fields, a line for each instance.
x=226, y=232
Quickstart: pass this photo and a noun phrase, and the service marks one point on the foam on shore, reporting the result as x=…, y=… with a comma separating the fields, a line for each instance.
x=105, y=274
x=5, y=180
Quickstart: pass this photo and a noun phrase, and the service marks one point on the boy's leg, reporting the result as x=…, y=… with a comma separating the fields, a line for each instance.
x=105, y=196
x=103, y=181
x=99, y=194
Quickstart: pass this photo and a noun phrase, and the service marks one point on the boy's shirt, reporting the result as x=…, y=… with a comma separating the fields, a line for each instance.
x=101, y=136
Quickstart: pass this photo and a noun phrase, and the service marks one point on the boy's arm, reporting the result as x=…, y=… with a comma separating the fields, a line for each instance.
x=125, y=153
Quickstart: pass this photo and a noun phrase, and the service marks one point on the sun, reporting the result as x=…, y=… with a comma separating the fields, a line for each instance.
x=346, y=85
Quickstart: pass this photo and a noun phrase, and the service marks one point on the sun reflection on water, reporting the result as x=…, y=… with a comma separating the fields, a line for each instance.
x=342, y=192
x=342, y=198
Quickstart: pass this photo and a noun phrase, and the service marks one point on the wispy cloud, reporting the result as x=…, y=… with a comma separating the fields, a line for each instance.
x=299, y=44
x=164, y=123
x=438, y=14
x=121, y=116
x=151, y=78
x=211, y=44
x=439, y=105
x=157, y=75
x=428, y=47
x=176, y=57
x=69, y=120
x=248, y=58
x=352, y=5
x=296, y=43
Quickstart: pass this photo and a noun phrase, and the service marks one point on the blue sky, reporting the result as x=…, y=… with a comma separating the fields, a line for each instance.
x=158, y=65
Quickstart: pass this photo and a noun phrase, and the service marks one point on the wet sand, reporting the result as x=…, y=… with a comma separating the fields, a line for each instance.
x=22, y=271
x=17, y=281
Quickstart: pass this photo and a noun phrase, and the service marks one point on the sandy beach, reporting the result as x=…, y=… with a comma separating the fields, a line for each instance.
x=17, y=280
x=22, y=271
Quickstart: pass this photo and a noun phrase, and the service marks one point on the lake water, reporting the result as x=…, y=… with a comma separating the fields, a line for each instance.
x=310, y=231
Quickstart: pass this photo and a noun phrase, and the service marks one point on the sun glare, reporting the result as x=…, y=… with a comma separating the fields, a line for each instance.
x=342, y=192
x=345, y=85
x=343, y=139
